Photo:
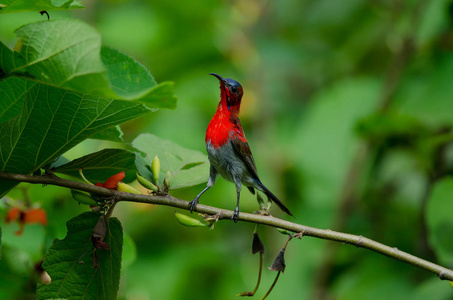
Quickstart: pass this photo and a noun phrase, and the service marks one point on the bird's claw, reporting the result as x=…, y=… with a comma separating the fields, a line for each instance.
x=235, y=216
x=193, y=204
x=263, y=212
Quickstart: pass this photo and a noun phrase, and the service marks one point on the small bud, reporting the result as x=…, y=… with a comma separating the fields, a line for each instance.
x=188, y=221
x=261, y=202
x=155, y=168
x=284, y=231
x=83, y=198
x=123, y=187
x=167, y=180
x=146, y=183
x=279, y=262
x=257, y=244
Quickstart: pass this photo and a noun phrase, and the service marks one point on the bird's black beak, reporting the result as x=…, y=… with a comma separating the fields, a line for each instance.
x=220, y=78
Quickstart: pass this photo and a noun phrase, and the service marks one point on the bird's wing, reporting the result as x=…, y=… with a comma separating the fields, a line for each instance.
x=242, y=148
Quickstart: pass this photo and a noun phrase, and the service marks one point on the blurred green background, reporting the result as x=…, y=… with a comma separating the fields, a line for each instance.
x=348, y=109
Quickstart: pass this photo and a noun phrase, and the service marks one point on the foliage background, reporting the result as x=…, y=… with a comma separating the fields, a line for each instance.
x=313, y=71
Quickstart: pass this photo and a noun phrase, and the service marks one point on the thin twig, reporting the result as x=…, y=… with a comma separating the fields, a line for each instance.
x=168, y=200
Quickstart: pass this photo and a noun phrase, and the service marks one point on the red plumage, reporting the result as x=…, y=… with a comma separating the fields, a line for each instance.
x=228, y=150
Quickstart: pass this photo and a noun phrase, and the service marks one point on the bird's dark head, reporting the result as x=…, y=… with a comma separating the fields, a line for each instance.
x=230, y=91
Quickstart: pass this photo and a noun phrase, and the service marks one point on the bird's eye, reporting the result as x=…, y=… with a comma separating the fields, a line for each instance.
x=234, y=89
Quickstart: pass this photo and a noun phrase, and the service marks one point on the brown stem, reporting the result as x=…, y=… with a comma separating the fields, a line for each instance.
x=272, y=286
x=168, y=200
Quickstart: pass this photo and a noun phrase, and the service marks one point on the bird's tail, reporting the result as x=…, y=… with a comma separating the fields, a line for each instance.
x=274, y=198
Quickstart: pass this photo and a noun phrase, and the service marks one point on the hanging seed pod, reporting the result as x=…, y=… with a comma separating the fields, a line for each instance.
x=257, y=244
x=279, y=262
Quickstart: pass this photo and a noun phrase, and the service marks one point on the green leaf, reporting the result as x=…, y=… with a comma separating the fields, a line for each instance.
x=52, y=121
x=114, y=134
x=68, y=54
x=187, y=167
x=99, y=166
x=433, y=84
x=161, y=96
x=74, y=280
x=8, y=59
x=380, y=126
x=129, y=251
x=131, y=80
x=8, y=6
x=439, y=212
x=12, y=98
x=432, y=288
x=64, y=53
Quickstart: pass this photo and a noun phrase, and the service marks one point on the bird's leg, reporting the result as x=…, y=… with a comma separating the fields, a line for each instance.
x=211, y=181
x=194, y=202
x=235, y=216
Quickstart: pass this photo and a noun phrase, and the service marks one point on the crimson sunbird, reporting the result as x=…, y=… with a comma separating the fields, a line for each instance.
x=228, y=151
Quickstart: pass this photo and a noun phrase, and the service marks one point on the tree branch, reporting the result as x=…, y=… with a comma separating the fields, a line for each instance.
x=168, y=200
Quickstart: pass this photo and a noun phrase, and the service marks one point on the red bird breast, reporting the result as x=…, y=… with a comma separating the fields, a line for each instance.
x=218, y=130
x=223, y=126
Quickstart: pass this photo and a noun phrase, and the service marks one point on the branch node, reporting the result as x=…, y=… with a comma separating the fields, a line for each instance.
x=359, y=242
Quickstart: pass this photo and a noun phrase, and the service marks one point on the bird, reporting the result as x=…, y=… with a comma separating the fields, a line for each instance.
x=229, y=153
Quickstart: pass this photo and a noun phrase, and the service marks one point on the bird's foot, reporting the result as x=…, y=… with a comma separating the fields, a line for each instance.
x=235, y=216
x=263, y=212
x=193, y=204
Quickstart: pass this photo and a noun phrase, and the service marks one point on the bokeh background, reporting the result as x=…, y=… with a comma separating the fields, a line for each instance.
x=345, y=103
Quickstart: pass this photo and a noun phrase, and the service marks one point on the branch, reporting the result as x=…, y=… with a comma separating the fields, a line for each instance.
x=168, y=200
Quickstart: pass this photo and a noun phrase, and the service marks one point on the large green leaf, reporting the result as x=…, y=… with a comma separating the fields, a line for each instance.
x=427, y=96
x=187, y=167
x=37, y=5
x=63, y=53
x=113, y=133
x=439, y=218
x=68, y=53
x=74, y=280
x=12, y=98
x=99, y=166
x=131, y=80
x=8, y=60
x=52, y=121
